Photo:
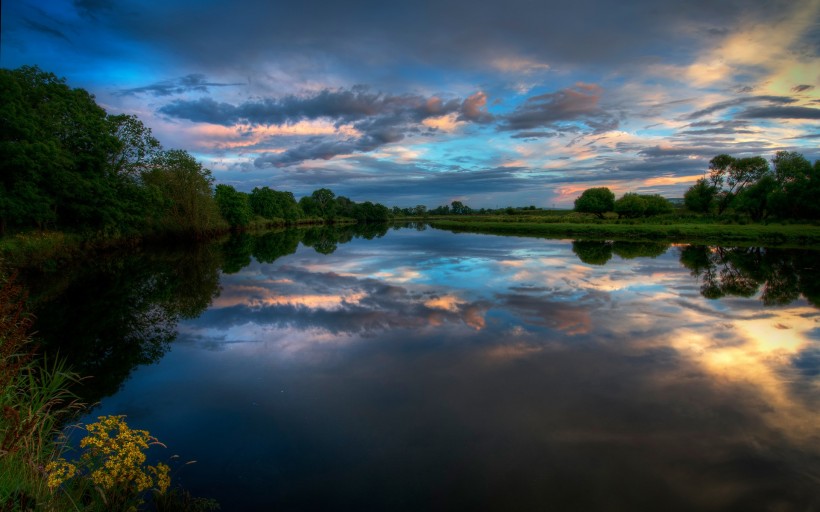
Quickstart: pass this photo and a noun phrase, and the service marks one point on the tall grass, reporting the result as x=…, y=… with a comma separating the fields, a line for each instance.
x=34, y=399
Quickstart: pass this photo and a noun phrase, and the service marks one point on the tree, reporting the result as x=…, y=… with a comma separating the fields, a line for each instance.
x=754, y=199
x=797, y=187
x=459, y=208
x=183, y=188
x=597, y=200
x=700, y=196
x=263, y=202
x=54, y=142
x=656, y=204
x=323, y=198
x=233, y=205
x=630, y=205
x=731, y=175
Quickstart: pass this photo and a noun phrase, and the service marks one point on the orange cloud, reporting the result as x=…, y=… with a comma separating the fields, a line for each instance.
x=671, y=180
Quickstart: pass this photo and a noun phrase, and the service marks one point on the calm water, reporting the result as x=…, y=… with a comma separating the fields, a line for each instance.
x=424, y=370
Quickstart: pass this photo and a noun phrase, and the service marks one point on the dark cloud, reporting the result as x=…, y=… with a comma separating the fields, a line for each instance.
x=45, y=29
x=455, y=33
x=190, y=83
x=576, y=105
x=535, y=135
x=341, y=105
x=780, y=113
x=807, y=136
x=802, y=88
x=723, y=105
x=716, y=128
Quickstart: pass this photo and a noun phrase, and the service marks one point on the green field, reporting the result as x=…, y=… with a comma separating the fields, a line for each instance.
x=802, y=235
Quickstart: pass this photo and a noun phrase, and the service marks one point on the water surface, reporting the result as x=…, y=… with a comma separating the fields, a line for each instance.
x=424, y=370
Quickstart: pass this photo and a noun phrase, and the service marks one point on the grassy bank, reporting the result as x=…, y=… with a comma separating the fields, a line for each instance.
x=50, y=250
x=802, y=235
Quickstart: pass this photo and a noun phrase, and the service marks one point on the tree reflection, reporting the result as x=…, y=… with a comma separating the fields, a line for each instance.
x=780, y=275
x=120, y=312
x=599, y=252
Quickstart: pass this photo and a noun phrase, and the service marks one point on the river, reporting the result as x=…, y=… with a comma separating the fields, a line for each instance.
x=417, y=369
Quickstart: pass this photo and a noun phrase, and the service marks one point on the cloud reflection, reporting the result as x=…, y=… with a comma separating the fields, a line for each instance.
x=506, y=361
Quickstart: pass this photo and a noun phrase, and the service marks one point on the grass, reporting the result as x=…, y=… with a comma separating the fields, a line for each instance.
x=666, y=228
x=34, y=399
x=39, y=249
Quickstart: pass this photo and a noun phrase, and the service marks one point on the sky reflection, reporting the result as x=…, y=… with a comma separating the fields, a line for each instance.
x=426, y=370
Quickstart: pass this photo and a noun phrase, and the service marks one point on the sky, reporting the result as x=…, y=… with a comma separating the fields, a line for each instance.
x=494, y=104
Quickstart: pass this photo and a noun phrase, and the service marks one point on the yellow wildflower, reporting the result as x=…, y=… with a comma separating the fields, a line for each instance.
x=59, y=471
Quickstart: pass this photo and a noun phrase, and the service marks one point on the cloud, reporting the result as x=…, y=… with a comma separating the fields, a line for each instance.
x=780, y=113
x=474, y=108
x=562, y=111
x=534, y=135
x=190, y=83
x=45, y=29
x=378, y=118
x=802, y=88
x=723, y=105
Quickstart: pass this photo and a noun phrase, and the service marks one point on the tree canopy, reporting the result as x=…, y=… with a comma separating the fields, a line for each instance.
x=598, y=201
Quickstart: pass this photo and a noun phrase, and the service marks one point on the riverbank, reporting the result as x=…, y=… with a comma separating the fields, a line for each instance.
x=50, y=250
x=780, y=235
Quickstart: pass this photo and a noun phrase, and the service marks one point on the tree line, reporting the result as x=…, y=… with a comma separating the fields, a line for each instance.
x=601, y=200
x=786, y=189
x=66, y=164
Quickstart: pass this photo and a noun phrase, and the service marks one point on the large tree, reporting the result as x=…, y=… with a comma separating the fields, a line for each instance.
x=55, y=144
x=731, y=175
x=598, y=201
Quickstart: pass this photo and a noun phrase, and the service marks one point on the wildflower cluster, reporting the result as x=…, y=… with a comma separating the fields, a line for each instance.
x=59, y=471
x=114, y=460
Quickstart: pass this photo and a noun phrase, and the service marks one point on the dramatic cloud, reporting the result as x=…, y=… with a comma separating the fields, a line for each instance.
x=379, y=118
x=780, y=113
x=562, y=111
x=491, y=103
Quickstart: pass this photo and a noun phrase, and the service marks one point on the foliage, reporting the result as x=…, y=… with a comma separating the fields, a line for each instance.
x=33, y=400
x=233, y=205
x=700, y=197
x=787, y=190
x=730, y=176
x=55, y=144
x=273, y=204
x=598, y=201
x=183, y=187
x=630, y=205
x=656, y=205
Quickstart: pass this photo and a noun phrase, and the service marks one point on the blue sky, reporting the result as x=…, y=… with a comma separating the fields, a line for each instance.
x=490, y=103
